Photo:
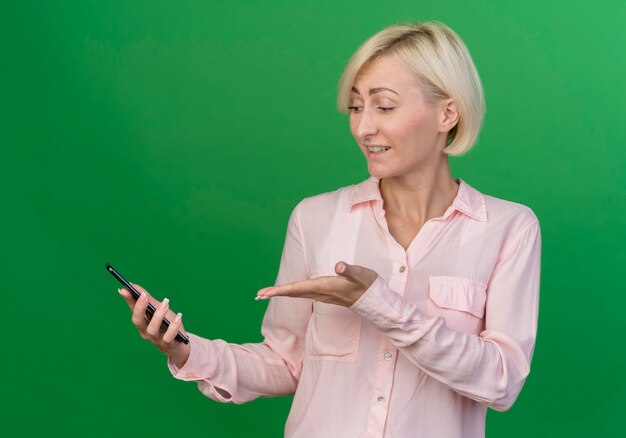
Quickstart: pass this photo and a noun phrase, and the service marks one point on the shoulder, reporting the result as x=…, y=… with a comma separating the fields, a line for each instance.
x=511, y=220
x=319, y=212
x=506, y=224
x=492, y=212
x=325, y=203
x=505, y=211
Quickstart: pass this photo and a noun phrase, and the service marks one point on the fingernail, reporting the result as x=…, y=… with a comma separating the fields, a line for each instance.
x=119, y=291
x=143, y=296
x=342, y=267
x=179, y=316
x=261, y=297
x=165, y=302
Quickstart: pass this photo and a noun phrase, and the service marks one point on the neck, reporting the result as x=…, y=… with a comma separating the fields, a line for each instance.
x=419, y=196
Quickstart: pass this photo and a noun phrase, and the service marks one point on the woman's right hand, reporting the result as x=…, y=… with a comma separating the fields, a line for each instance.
x=177, y=351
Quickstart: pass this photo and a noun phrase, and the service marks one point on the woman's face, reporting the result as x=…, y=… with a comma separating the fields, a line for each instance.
x=388, y=109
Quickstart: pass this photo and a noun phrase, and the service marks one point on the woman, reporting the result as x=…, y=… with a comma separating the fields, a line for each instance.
x=406, y=304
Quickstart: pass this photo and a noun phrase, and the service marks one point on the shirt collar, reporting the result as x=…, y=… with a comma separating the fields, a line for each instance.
x=468, y=200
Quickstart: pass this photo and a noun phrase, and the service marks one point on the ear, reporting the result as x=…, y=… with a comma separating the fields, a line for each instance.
x=449, y=115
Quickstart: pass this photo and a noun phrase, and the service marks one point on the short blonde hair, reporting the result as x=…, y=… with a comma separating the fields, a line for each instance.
x=443, y=68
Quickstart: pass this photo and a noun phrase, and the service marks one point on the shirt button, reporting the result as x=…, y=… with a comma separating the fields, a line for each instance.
x=402, y=268
x=380, y=400
x=388, y=356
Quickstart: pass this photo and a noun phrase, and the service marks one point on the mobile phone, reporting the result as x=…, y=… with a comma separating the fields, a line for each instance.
x=151, y=309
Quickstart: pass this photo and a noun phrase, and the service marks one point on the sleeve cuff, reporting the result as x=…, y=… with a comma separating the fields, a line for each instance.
x=390, y=313
x=379, y=304
x=200, y=364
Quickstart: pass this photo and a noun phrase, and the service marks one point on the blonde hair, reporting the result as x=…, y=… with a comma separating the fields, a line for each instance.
x=442, y=65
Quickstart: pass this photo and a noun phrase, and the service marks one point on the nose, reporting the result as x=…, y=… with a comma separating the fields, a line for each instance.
x=365, y=124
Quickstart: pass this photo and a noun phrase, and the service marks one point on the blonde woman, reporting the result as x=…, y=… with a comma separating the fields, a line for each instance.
x=407, y=304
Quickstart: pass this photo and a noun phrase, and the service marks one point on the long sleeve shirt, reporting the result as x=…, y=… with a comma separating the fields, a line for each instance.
x=447, y=329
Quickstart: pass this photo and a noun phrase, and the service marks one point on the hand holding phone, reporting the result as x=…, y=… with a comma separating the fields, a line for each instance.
x=151, y=309
x=152, y=322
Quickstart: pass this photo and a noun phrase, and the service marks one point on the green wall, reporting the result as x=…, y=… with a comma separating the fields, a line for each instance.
x=172, y=139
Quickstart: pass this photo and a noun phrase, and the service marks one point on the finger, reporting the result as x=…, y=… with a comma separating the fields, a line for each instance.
x=151, y=300
x=172, y=330
x=128, y=297
x=355, y=273
x=155, y=323
x=297, y=288
x=139, y=313
x=260, y=295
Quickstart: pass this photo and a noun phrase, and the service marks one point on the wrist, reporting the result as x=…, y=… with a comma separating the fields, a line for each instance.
x=180, y=358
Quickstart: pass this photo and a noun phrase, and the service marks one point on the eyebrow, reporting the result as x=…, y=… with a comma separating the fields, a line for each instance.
x=375, y=90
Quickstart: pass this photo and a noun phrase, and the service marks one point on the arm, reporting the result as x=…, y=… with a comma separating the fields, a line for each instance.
x=239, y=373
x=490, y=367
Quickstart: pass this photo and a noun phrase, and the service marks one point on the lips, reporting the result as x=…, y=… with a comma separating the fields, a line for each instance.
x=377, y=153
x=377, y=148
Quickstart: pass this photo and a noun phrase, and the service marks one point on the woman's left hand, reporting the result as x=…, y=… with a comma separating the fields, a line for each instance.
x=344, y=290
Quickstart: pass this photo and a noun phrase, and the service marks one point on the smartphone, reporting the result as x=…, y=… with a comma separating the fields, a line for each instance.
x=151, y=309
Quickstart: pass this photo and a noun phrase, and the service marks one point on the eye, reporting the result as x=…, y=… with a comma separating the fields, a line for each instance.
x=385, y=109
x=355, y=109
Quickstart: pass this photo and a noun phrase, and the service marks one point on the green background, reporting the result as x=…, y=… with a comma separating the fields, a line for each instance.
x=172, y=139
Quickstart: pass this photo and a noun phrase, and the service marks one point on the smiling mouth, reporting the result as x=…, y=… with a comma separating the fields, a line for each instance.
x=377, y=149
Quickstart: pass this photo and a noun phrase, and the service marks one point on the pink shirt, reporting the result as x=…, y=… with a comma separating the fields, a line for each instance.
x=447, y=329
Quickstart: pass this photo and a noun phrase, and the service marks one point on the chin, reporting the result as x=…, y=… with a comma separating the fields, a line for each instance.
x=379, y=173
